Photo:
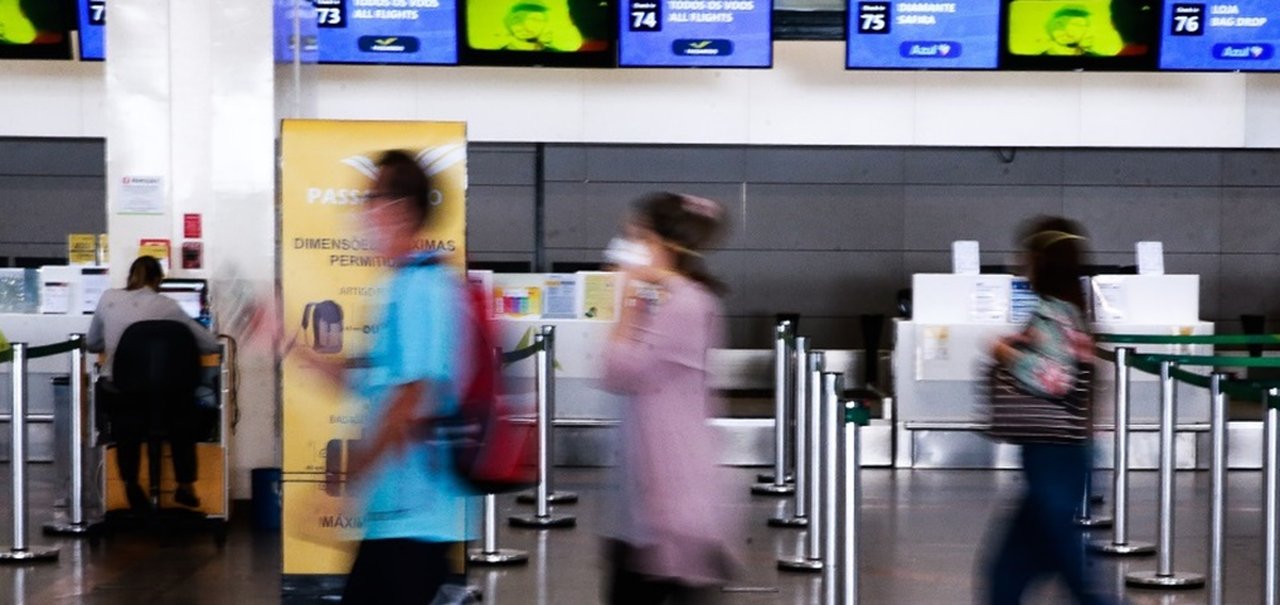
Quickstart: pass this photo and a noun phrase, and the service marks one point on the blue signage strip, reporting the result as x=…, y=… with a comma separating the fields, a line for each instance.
x=695, y=33
x=1222, y=36
x=953, y=34
x=93, y=22
x=416, y=32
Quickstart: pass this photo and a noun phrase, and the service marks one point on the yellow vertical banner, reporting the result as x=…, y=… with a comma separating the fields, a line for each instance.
x=330, y=279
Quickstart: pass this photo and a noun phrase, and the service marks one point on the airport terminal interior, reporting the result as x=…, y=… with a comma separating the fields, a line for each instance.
x=858, y=175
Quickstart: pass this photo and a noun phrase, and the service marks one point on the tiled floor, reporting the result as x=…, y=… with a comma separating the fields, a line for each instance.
x=923, y=536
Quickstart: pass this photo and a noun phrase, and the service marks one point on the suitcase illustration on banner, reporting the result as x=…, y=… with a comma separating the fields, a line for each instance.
x=324, y=321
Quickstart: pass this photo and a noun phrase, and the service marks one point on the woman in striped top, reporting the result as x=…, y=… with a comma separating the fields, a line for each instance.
x=1046, y=359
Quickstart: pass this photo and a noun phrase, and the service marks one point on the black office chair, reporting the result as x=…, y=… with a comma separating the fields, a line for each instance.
x=155, y=373
x=156, y=370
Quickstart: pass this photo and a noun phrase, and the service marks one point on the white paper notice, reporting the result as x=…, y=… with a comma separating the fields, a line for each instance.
x=937, y=344
x=55, y=297
x=561, y=299
x=1108, y=299
x=965, y=258
x=93, y=282
x=990, y=301
x=1150, y=258
x=140, y=195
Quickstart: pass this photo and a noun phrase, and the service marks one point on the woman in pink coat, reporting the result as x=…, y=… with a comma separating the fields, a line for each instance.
x=670, y=540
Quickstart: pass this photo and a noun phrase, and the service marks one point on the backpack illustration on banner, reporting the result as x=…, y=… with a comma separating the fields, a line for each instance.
x=324, y=319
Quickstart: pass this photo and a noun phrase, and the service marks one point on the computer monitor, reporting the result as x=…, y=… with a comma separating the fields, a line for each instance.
x=190, y=294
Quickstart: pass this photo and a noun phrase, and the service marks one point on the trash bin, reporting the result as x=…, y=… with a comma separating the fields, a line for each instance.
x=265, y=498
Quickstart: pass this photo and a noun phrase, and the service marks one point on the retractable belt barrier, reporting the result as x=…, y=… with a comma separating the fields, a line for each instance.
x=544, y=495
x=19, y=354
x=1221, y=385
x=781, y=481
x=841, y=491
x=828, y=472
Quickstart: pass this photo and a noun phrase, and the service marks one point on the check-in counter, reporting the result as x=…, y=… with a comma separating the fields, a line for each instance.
x=939, y=353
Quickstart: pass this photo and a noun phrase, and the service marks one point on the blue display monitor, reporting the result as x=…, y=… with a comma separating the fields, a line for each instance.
x=415, y=32
x=93, y=31
x=951, y=34
x=1242, y=35
x=695, y=33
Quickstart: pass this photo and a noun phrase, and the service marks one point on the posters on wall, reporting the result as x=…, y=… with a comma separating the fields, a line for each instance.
x=331, y=280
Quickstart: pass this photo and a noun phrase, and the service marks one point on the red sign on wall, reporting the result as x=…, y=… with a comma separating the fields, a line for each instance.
x=191, y=226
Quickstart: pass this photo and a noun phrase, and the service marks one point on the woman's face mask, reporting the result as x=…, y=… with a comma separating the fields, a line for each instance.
x=625, y=252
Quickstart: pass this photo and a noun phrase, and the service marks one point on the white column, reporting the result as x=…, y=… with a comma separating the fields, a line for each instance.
x=190, y=98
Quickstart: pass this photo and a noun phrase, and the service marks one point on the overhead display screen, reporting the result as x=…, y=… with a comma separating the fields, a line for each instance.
x=955, y=34
x=296, y=32
x=419, y=32
x=1223, y=36
x=1081, y=34
x=36, y=29
x=557, y=33
x=695, y=33
x=93, y=21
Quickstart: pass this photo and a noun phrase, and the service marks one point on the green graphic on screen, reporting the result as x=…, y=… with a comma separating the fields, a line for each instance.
x=1066, y=28
x=522, y=25
x=15, y=26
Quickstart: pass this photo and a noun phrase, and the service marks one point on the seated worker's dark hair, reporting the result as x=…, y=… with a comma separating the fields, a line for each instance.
x=400, y=177
x=145, y=272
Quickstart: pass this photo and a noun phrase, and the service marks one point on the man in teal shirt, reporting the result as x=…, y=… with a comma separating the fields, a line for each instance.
x=415, y=517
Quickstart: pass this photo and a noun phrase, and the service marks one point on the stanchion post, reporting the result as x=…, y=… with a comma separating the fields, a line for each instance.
x=1164, y=576
x=490, y=553
x=1119, y=543
x=542, y=517
x=851, y=505
x=1271, y=501
x=811, y=559
x=1085, y=516
x=834, y=479
x=21, y=551
x=552, y=495
x=75, y=525
x=1218, y=485
x=799, y=444
x=776, y=485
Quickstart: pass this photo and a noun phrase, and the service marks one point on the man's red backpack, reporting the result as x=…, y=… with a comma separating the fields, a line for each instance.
x=493, y=451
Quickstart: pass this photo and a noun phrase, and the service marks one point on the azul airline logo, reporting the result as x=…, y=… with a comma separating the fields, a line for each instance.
x=389, y=44
x=1244, y=52
x=714, y=47
x=930, y=50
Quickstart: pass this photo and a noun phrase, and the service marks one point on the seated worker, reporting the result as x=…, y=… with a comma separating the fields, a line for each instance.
x=117, y=310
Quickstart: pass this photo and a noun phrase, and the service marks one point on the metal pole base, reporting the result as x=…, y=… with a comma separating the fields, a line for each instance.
x=769, y=489
x=552, y=498
x=1128, y=549
x=768, y=478
x=1152, y=579
x=63, y=528
x=800, y=564
x=1093, y=522
x=547, y=522
x=789, y=522
x=39, y=554
x=500, y=557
